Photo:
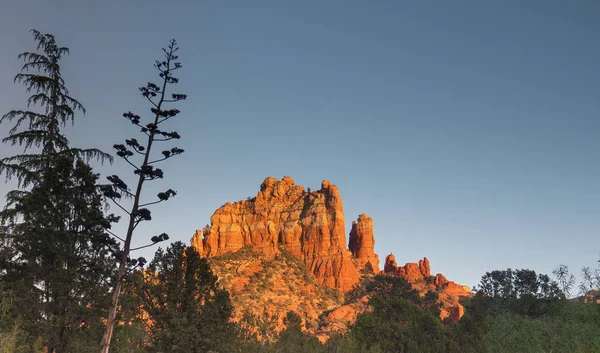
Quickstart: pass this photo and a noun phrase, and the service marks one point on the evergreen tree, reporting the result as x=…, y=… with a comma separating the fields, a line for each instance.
x=512, y=284
x=518, y=291
x=41, y=75
x=56, y=253
x=156, y=94
x=187, y=311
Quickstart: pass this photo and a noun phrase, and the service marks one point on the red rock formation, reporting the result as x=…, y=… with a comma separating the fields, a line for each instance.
x=457, y=312
x=362, y=242
x=338, y=319
x=455, y=289
x=390, y=266
x=420, y=276
x=411, y=272
x=196, y=242
x=440, y=280
x=424, y=267
x=310, y=225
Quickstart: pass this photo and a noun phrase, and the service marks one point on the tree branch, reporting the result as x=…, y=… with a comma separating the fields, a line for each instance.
x=114, y=235
x=127, y=192
x=128, y=272
x=163, y=120
x=162, y=159
x=131, y=164
x=121, y=207
x=151, y=101
x=142, y=247
x=151, y=203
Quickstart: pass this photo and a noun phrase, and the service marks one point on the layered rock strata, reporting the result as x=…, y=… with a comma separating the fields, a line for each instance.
x=284, y=218
x=309, y=225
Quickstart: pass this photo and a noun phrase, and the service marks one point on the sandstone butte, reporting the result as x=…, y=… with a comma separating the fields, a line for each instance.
x=310, y=225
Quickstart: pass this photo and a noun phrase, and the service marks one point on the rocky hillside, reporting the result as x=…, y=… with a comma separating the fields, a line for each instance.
x=285, y=250
x=419, y=274
x=264, y=289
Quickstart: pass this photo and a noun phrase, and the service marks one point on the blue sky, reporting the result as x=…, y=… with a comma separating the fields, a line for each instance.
x=468, y=131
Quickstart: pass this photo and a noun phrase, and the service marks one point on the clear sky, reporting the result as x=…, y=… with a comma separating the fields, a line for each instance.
x=468, y=130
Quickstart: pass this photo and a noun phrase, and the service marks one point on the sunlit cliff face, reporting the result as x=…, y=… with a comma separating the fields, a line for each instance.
x=308, y=226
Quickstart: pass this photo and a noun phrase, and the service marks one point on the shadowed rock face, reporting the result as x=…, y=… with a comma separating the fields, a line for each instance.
x=309, y=225
x=362, y=242
x=390, y=266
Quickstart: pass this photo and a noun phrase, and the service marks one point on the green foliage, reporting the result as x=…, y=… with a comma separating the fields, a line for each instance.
x=517, y=320
x=244, y=253
x=566, y=280
x=384, y=287
x=292, y=340
x=187, y=309
x=60, y=256
x=575, y=327
x=401, y=320
x=590, y=281
x=41, y=75
x=9, y=330
x=518, y=283
x=589, y=285
x=522, y=292
x=56, y=252
x=274, y=286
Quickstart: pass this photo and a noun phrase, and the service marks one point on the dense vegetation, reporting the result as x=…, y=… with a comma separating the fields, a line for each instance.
x=527, y=316
x=63, y=272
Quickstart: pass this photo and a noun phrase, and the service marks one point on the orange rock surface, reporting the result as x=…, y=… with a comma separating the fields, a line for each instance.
x=411, y=272
x=285, y=222
x=450, y=293
x=310, y=225
x=440, y=280
x=362, y=243
x=457, y=312
x=424, y=267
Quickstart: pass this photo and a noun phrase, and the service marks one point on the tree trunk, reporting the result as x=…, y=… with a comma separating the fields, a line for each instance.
x=112, y=313
x=110, y=324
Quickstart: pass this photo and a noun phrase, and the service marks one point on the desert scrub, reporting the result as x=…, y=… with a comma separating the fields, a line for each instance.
x=575, y=327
